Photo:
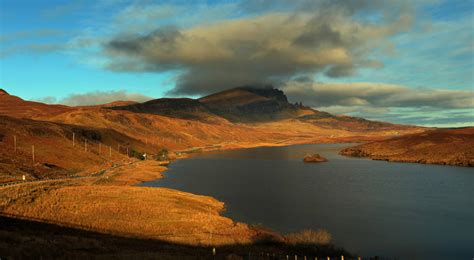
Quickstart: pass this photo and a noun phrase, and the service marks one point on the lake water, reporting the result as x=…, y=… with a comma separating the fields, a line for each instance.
x=404, y=210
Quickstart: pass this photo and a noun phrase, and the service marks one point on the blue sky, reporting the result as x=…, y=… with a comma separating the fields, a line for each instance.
x=416, y=56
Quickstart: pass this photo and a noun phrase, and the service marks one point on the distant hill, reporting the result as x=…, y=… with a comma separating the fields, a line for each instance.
x=438, y=146
x=185, y=108
x=16, y=107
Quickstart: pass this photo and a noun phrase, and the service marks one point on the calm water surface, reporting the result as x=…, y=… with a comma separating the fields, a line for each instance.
x=405, y=210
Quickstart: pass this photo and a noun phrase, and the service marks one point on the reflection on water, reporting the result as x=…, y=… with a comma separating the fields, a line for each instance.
x=411, y=211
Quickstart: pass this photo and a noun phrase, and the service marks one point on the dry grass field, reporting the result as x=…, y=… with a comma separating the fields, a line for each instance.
x=439, y=146
x=107, y=215
x=109, y=204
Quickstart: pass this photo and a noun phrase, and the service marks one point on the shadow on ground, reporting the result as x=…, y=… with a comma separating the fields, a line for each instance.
x=26, y=239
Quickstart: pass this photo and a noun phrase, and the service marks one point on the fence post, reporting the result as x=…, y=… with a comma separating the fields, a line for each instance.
x=127, y=152
x=73, y=139
x=14, y=141
x=100, y=147
x=110, y=151
x=85, y=145
x=33, y=152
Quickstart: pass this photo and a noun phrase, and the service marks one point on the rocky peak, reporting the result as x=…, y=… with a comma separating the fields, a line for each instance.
x=268, y=92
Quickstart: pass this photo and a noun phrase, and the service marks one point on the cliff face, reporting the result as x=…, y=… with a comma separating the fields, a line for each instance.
x=249, y=104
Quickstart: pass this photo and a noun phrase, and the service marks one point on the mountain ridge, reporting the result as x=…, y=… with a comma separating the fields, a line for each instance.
x=241, y=104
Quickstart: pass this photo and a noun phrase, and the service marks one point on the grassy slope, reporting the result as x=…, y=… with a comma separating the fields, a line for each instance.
x=439, y=146
x=170, y=219
x=55, y=155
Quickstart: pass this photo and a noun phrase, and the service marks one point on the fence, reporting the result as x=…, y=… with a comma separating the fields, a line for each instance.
x=34, y=151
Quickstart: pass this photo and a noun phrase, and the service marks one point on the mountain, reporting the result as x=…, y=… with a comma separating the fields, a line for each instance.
x=250, y=104
x=438, y=146
x=242, y=104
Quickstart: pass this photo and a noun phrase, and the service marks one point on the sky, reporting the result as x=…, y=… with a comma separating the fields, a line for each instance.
x=409, y=62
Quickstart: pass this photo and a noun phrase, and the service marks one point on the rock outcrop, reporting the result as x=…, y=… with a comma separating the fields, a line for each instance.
x=314, y=158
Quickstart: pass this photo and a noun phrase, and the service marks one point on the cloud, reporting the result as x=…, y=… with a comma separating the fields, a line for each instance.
x=386, y=102
x=317, y=37
x=376, y=95
x=96, y=98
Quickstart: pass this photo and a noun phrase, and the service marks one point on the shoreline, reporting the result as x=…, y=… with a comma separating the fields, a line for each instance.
x=62, y=202
x=126, y=178
x=448, y=147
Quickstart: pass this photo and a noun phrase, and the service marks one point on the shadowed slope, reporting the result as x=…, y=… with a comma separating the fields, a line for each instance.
x=52, y=241
x=185, y=108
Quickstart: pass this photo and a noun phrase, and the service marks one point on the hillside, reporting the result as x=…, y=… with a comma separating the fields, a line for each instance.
x=184, y=108
x=189, y=123
x=55, y=154
x=185, y=125
x=16, y=107
x=439, y=146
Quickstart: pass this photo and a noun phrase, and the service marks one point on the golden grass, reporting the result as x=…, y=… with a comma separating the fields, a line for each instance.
x=132, y=174
x=110, y=205
x=158, y=213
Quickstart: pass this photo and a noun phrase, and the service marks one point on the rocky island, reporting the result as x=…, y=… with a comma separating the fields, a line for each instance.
x=314, y=158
